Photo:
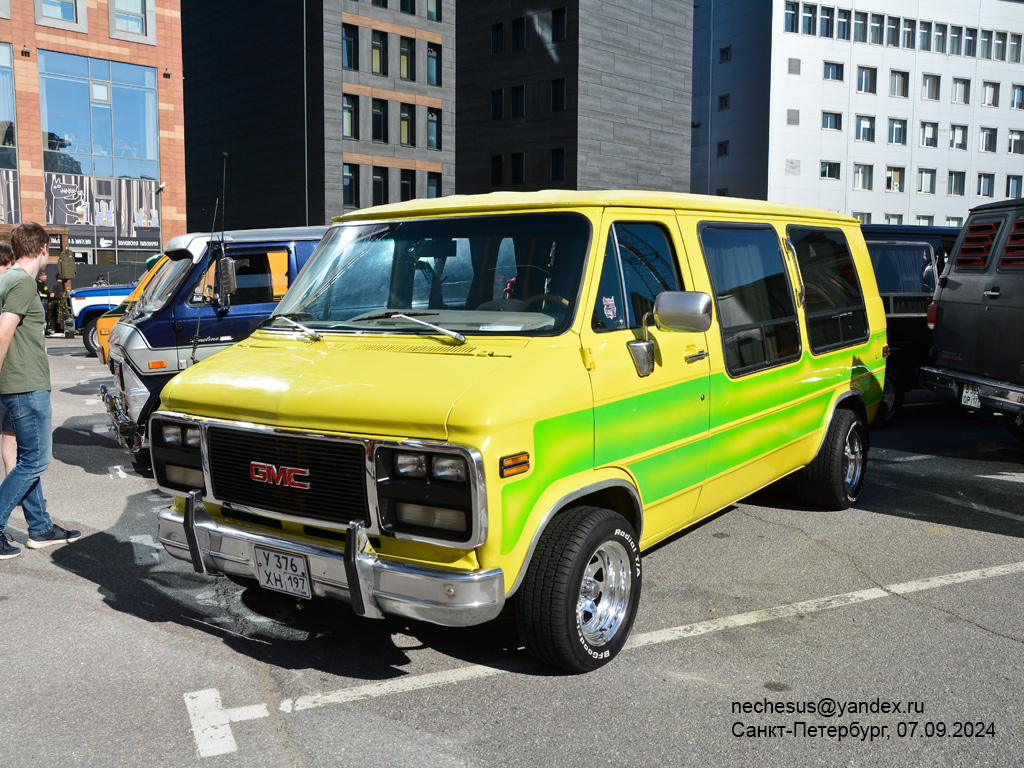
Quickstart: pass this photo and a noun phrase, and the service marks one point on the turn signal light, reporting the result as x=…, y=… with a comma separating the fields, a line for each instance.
x=514, y=465
x=153, y=364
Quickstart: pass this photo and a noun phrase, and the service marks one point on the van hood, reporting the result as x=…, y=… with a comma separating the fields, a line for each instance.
x=389, y=386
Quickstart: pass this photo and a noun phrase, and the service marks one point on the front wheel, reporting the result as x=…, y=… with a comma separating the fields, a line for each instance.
x=834, y=479
x=580, y=594
x=91, y=338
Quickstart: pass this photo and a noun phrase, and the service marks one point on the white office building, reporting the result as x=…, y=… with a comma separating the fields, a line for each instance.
x=899, y=112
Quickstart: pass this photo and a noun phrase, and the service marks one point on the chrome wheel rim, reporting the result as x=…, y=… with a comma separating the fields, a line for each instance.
x=853, y=459
x=604, y=594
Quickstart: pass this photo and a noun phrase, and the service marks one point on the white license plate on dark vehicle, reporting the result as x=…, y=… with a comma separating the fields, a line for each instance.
x=282, y=572
x=970, y=398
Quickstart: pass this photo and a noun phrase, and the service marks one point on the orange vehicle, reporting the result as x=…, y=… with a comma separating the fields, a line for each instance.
x=106, y=322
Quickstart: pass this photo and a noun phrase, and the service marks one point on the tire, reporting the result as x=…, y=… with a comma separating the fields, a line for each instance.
x=580, y=594
x=892, y=400
x=90, y=337
x=834, y=479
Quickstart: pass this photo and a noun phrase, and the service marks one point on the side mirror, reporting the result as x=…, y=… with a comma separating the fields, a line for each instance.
x=227, y=278
x=683, y=311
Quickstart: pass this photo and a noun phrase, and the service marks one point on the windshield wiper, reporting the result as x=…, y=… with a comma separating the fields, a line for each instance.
x=288, y=319
x=413, y=317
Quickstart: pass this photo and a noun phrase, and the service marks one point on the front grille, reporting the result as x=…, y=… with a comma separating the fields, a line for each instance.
x=334, y=471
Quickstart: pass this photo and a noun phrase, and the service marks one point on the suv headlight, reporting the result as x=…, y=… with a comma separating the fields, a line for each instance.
x=176, y=448
x=425, y=493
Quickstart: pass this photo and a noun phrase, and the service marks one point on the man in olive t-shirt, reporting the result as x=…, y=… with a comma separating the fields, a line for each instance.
x=25, y=391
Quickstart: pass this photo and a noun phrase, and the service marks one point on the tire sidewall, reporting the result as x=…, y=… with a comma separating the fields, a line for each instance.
x=856, y=424
x=90, y=337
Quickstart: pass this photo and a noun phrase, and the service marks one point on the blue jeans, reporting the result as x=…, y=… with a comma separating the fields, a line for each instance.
x=30, y=414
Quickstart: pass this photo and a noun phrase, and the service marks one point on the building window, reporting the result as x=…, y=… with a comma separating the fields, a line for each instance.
x=497, y=38
x=985, y=49
x=723, y=103
x=497, y=170
x=908, y=33
x=865, y=128
x=866, y=79
x=956, y=37
x=380, y=185
x=558, y=95
x=961, y=90
x=725, y=54
x=986, y=184
x=433, y=64
x=897, y=131
x=894, y=178
x=497, y=104
x=434, y=10
x=810, y=14
x=826, y=21
x=864, y=217
x=349, y=46
x=894, y=219
x=62, y=10
x=723, y=149
x=899, y=83
x=407, y=58
x=558, y=26
x=832, y=121
x=557, y=164
x=930, y=87
x=350, y=185
x=407, y=185
x=790, y=17
x=957, y=183
x=999, y=49
x=862, y=176
x=929, y=134
x=1016, y=146
x=1017, y=97
x=970, y=42
x=129, y=16
x=792, y=117
x=1014, y=186
x=892, y=32
x=433, y=129
x=517, y=101
x=407, y=125
x=989, y=94
x=924, y=36
x=794, y=66
x=407, y=6
x=926, y=181
x=516, y=168
x=843, y=25
x=989, y=138
x=833, y=70
x=829, y=170
x=860, y=27
x=381, y=3
x=940, y=38
x=954, y=221
x=518, y=34
x=379, y=56
x=380, y=120
x=350, y=116
x=433, y=185
x=1015, y=46
x=958, y=137
x=925, y=221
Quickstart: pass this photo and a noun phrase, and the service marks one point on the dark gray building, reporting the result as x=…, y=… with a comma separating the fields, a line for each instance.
x=576, y=94
x=322, y=107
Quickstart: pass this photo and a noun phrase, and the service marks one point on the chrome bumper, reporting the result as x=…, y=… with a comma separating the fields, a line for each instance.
x=127, y=431
x=1002, y=396
x=356, y=575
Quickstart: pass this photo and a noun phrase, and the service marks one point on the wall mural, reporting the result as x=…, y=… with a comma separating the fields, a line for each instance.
x=96, y=218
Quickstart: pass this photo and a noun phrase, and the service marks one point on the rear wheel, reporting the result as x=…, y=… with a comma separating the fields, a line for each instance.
x=91, y=338
x=892, y=400
x=834, y=479
x=580, y=594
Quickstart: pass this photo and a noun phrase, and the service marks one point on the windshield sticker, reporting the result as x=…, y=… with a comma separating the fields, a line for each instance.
x=609, y=307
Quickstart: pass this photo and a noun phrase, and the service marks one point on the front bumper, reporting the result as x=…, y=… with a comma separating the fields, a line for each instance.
x=1001, y=396
x=129, y=434
x=373, y=586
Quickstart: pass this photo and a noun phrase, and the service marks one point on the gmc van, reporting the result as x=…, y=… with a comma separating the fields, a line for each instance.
x=181, y=317
x=473, y=400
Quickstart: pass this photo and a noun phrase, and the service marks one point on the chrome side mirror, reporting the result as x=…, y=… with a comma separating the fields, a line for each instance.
x=682, y=311
x=642, y=351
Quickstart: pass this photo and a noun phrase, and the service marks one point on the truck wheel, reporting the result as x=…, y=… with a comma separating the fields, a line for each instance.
x=834, y=479
x=91, y=338
x=579, y=597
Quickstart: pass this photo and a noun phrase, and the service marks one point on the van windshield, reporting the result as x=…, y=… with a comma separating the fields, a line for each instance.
x=163, y=286
x=506, y=274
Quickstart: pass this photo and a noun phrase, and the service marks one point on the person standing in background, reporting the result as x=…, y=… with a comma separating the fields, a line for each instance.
x=8, y=446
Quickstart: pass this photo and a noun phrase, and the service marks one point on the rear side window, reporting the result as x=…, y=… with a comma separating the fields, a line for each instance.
x=1013, y=253
x=639, y=263
x=833, y=300
x=976, y=247
x=753, y=296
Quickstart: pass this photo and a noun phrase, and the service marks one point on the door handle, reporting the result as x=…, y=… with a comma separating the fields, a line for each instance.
x=992, y=294
x=694, y=358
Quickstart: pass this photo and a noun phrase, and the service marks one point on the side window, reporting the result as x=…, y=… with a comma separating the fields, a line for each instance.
x=1013, y=251
x=976, y=243
x=833, y=301
x=639, y=264
x=262, y=278
x=753, y=297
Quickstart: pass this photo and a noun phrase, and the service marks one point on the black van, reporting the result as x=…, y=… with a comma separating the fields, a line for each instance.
x=907, y=260
x=977, y=315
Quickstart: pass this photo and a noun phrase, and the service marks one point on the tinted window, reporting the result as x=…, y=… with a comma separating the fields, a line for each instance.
x=755, y=305
x=833, y=301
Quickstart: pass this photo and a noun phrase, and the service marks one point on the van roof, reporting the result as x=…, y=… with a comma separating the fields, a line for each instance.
x=560, y=198
x=249, y=236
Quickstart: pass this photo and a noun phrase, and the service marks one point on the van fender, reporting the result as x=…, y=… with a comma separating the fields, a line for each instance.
x=612, y=481
x=852, y=400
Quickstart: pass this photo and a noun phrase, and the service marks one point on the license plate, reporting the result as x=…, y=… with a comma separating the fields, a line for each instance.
x=282, y=572
x=969, y=397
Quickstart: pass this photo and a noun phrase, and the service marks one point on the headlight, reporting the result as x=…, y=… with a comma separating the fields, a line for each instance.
x=170, y=434
x=193, y=436
x=411, y=464
x=432, y=517
x=451, y=468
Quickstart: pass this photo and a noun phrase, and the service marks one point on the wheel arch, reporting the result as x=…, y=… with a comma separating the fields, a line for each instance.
x=850, y=400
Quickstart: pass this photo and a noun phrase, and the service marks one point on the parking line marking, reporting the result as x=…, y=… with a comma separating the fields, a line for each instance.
x=957, y=502
x=1013, y=477
x=211, y=722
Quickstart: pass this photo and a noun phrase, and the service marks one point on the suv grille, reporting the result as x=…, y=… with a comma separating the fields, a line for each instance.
x=251, y=468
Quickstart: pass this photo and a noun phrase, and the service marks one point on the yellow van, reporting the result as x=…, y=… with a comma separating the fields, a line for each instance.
x=466, y=400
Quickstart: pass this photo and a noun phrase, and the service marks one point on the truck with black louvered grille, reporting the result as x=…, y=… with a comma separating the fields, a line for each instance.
x=977, y=316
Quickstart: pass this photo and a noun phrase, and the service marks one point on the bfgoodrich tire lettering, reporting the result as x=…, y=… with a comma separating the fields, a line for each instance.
x=580, y=594
x=834, y=479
